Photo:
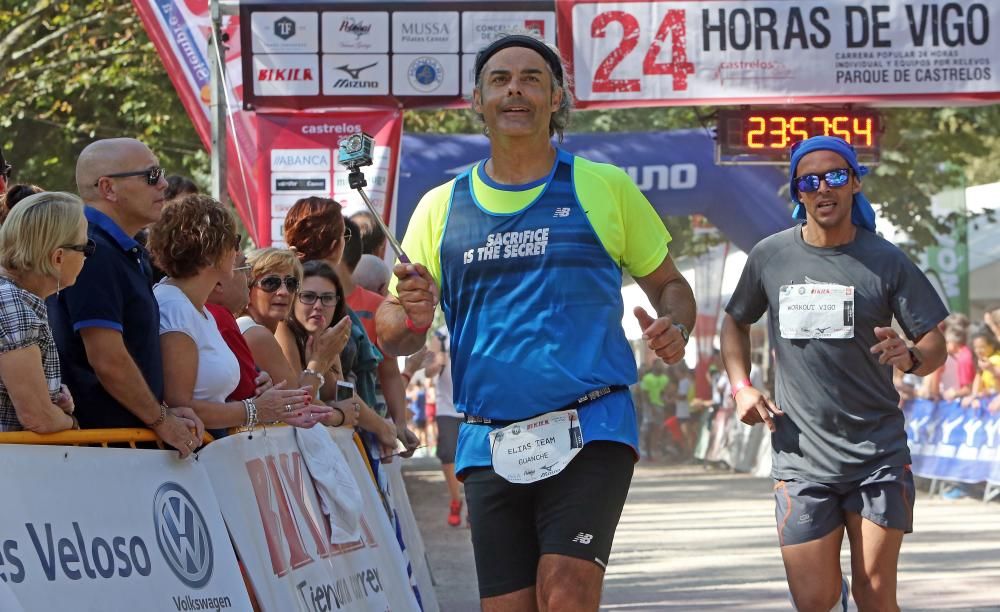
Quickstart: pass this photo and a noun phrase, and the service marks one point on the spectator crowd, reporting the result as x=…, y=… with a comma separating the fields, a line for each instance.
x=133, y=304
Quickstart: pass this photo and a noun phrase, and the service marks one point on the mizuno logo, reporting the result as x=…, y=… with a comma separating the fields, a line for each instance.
x=355, y=72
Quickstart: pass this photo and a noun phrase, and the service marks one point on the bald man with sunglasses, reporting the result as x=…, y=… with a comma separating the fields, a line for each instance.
x=107, y=325
x=831, y=288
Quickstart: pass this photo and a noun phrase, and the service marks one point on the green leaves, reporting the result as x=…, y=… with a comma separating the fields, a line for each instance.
x=73, y=72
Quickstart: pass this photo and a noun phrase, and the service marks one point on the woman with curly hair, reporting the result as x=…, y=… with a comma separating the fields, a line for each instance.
x=195, y=243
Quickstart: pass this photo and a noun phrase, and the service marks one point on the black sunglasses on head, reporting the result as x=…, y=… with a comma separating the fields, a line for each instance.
x=270, y=284
x=152, y=175
x=87, y=248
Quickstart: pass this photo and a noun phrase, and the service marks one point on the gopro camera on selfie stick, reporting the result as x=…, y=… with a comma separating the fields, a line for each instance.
x=354, y=153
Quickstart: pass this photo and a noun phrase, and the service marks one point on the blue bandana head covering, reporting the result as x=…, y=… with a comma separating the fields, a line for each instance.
x=862, y=213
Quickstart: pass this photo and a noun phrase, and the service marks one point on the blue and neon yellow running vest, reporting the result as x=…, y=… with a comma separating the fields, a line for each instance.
x=533, y=301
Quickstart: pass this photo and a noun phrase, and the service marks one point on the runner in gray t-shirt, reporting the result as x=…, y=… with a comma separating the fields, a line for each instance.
x=831, y=288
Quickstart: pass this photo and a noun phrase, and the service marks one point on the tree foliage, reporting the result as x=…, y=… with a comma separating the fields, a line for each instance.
x=75, y=71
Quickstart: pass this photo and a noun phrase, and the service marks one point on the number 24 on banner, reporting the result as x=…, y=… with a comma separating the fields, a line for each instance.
x=672, y=25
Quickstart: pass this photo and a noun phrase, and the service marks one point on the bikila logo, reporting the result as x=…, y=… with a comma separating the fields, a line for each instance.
x=284, y=28
x=182, y=535
x=426, y=74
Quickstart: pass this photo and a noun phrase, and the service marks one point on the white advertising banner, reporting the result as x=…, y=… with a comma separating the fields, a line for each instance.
x=282, y=32
x=781, y=51
x=286, y=75
x=425, y=32
x=355, y=32
x=409, y=533
x=406, y=54
x=98, y=529
x=479, y=29
x=273, y=512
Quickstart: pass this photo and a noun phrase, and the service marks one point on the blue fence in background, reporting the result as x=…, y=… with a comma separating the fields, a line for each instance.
x=949, y=442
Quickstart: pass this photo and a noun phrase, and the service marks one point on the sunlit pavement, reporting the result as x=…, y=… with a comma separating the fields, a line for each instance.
x=692, y=539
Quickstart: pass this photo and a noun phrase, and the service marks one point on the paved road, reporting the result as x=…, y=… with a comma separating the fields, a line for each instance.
x=696, y=540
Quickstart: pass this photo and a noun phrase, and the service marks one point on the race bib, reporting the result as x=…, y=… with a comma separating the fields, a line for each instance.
x=816, y=311
x=533, y=450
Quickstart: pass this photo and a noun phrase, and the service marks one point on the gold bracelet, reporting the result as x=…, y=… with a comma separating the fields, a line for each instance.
x=163, y=417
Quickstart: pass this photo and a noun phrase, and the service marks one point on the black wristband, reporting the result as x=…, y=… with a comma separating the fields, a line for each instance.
x=343, y=417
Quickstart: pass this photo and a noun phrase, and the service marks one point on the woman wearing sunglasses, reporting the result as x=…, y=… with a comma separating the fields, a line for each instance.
x=43, y=244
x=275, y=277
x=195, y=243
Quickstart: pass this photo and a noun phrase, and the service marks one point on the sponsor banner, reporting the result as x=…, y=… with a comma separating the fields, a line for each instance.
x=946, y=264
x=425, y=32
x=273, y=513
x=408, y=534
x=303, y=150
x=300, y=182
x=479, y=29
x=286, y=75
x=409, y=58
x=148, y=530
x=285, y=32
x=355, y=32
x=425, y=75
x=301, y=160
x=355, y=75
x=949, y=442
x=774, y=51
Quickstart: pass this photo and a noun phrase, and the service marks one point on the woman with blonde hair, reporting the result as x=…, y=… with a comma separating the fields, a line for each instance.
x=276, y=275
x=43, y=244
x=195, y=243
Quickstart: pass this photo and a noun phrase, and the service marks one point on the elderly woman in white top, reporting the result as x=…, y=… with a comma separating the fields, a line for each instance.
x=195, y=243
x=43, y=244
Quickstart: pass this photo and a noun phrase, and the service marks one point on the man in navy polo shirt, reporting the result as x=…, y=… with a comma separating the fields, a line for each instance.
x=107, y=325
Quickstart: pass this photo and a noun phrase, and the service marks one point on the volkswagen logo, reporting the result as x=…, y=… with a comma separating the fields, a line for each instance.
x=182, y=535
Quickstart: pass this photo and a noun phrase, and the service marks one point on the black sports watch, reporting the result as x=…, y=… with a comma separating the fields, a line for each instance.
x=915, y=358
x=684, y=331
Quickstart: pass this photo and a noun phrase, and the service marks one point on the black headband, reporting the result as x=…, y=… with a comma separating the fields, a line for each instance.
x=520, y=40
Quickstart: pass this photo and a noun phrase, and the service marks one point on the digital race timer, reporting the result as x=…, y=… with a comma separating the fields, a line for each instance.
x=766, y=134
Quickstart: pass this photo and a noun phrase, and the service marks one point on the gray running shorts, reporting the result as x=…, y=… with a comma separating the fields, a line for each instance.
x=807, y=511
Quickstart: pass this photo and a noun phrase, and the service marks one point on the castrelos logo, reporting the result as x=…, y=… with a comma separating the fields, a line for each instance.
x=286, y=74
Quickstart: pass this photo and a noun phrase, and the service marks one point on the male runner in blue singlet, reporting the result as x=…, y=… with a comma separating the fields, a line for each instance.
x=526, y=251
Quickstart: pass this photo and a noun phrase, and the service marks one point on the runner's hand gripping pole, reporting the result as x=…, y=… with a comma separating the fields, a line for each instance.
x=354, y=153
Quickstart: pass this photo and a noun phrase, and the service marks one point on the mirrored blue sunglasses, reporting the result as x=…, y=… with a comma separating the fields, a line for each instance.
x=808, y=183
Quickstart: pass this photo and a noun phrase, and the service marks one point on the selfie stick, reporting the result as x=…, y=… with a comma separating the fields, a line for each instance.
x=356, y=180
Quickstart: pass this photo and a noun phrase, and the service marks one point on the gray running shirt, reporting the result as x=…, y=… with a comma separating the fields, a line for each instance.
x=842, y=418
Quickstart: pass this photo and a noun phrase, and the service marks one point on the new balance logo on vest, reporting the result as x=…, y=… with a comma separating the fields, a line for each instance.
x=582, y=538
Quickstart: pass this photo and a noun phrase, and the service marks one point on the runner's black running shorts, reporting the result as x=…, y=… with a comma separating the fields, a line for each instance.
x=574, y=513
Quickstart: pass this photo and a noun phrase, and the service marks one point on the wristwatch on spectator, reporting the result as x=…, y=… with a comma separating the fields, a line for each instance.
x=915, y=359
x=684, y=331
